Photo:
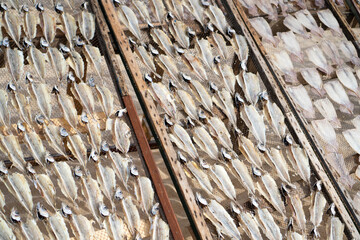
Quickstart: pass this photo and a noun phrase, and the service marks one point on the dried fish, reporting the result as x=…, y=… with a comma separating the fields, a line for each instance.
x=306, y=19
x=217, y=18
x=266, y=7
x=223, y=181
x=86, y=22
x=37, y=60
x=36, y=147
x=68, y=107
x=250, y=6
x=12, y=147
x=348, y=49
x=47, y=189
x=31, y=230
x=248, y=149
x=283, y=62
x=146, y=193
x=338, y=94
x=121, y=135
x=86, y=97
x=70, y=27
x=159, y=229
x=132, y=215
x=299, y=211
x=352, y=136
x=15, y=63
x=250, y=225
x=175, y=7
x=200, y=176
x=277, y=158
x=20, y=188
x=243, y=172
x=4, y=110
x=43, y=98
x=303, y=100
x=228, y=77
x=327, y=110
x=77, y=148
x=185, y=141
x=291, y=44
x=106, y=178
x=205, y=97
x=106, y=98
x=189, y=104
x=300, y=162
x=146, y=58
x=270, y=228
x=204, y=49
x=179, y=31
x=295, y=25
x=331, y=50
x=164, y=42
x=327, y=18
x=48, y=25
x=31, y=20
x=263, y=28
x=196, y=10
x=250, y=84
x=94, y=56
x=195, y=65
x=317, y=209
x=226, y=105
x=275, y=117
x=327, y=133
x=82, y=227
x=336, y=229
x=203, y=139
x=12, y=23
x=76, y=62
x=158, y=9
x=255, y=122
x=58, y=63
x=164, y=98
x=169, y=65
x=348, y=79
x=336, y=161
x=273, y=194
x=52, y=134
x=218, y=129
x=122, y=166
x=142, y=8
x=219, y=42
x=242, y=50
x=313, y=78
x=58, y=226
x=66, y=180
x=5, y=230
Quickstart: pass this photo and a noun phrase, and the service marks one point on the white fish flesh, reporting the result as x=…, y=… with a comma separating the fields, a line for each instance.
x=115, y=226
x=82, y=227
x=169, y=65
x=313, y=78
x=189, y=104
x=348, y=49
x=12, y=23
x=219, y=130
x=122, y=166
x=106, y=178
x=356, y=122
x=352, y=136
x=250, y=6
x=5, y=230
x=301, y=97
x=122, y=135
x=204, y=96
x=271, y=229
x=336, y=229
x=337, y=163
x=274, y=194
x=159, y=229
x=36, y=147
x=248, y=149
x=158, y=9
x=277, y=158
x=179, y=31
x=338, y=94
x=327, y=110
x=31, y=21
x=15, y=63
x=291, y=44
x=245, y=177
x=70, y=27
x=12, y=147
x=283, y=62
x=94, y=56
x=147, y=194
x=228, y=77
x=176, y=7
x=275, y=118
x=250, y=225
x=184, y=137
x=316, y=56
x=164, y=42
x=219, y=42
x=66, y=180
x=4, y=109
x=86, y=97
x=317, y=208
x=223, y=181
x=250, y=84
x=255, y=122
x=295, y=25
x=132, y=215
x=329, y=20
x=165, y=99
x=31, y=230
x=203, y=139
x=300, y=162
x=93, y=195
x=263, y=28
x=348, y=79
x=266, y=7
x=58, y=63
x=194, y=64
x=37, y=60
x=58, y=226
x=227, y=105
x=331, y=50
x=326, y=133
x=242, y=50
x=86, y=23
x=306, y=19
x=78, y=149
x=299, y=211
x=76, y=62
x=106, y=98
x=217, y=18
x=52, y=134
x=43, y=98
x=204, y=49
x=143, y=10
x=94, y=134
x=146, y=58
x=68, y=108
x=48, y=25
x=21, y=190
x=200, y=176
x=47, y=189
x=195, y=8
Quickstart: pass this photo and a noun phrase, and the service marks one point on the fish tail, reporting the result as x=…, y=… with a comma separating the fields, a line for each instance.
x=355, y=61
x=253, y=11
x=243, y=65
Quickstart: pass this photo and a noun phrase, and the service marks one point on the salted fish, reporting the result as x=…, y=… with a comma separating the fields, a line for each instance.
x=164, y=42
x=204, y=48
x=218, y=211
x=299, y=211
x=223, y=181
x=348, y=49
x=159, y=229
x=337, y=162
x=356, y=122
x=300, y=162
x=245, y=177
x=66, y=180
x=48, y=25
x=106, y=98
x=270, y=228
x=227, y=105
x=316, y=56
x=58, y=63
x=132, y=215
x=82, y=227
x=93, y=195
x=158, y=9
x=277, y=158
x=15, y=63
x=283, y=62
x=263, y=28
x=31, y=21
x=205, y=97
x=122, y=166
x=21, y=190
x=179, y=31
x=295, y=25
x=201, y=176
x=121, y=135
x=142, y=8
x=43, y=98
x=248, y=149
x=30, y=230
x=217, y=18
x=266, y=7
x=115, y=226
x=76, y=62
x=195, y=65
x=58, y=226
x=146, y=58
x=250, y=84
x=291, y=44
x=219, y=130
x=12, y=23
x=313, y=78
x=328, y=19
x=12, y=147
x=228, y=77
x=306, y=19
x=70, y=27
x=165, y=99
x=176, y=7
x=348, y=79
x=336, y=229
x=250, y=6
x=94, y=56
x=274, y=194
x=242, y=50
x=275, y=117
x=6, y=232
x=22, y=105
x=185, y=139
x=68, y=108
x=4, y=109
x=86, y=22
x=2, y=201
x=219, y=41
x=94, y=134
x=46, y=187
x=301, y=97
x=337, y=93
x=189, y=104
x=86, y=97
x=317, y=208
x=36, y=147
x=250, y=225
x=37, y=60
x=52, y=134
x=326, y=132
x=196, y=10
x=331, y=50
x=77, y=148
x=327, y=110
x=146, y=193
x=106, y=178
x=203, y=139
x=255, y=122
x=169, y=65
x=352, y=136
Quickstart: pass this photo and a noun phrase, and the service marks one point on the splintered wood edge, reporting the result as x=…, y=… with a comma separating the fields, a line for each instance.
x=158, y=126
x=287, y=105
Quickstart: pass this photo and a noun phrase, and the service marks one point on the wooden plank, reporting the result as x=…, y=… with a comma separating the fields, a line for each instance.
x=118, y=77
x=298, y=124
x=156, y=124
x=355, y=8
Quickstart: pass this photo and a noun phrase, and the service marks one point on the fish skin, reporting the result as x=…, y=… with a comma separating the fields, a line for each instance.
x=308, y=21
x=6, y=231
x=68, y=108
x=106, y=178
x=203, y=139
x=165, y=99
x=336, y=229
x=250, y=84
x=129, y=19
x=301, y=97
x=15, y=63
x=46, y=188
x=250, y=225
x=228, y=77
x=336, y=161
x=337, y=93
x=204, y=49
x=86, y=97
x=43, y=98
x=327, y=133
x=313, y=78
x=300, y=162
x=66, y=180
x=218, y=40
x=195, y=8
x=200, y=176
x=188, y=102
x=36, y=147
x=31, y=230
x=329, y=20
x=347, y=78
x=114, y=226
x=86, y=22
x=185, y=139
x=263, y=28
x=76, y=62
x=58, y=226
x=12, y=23
x=266, y=7
x=274, y=194
x=277, y=158
x=327, y=110
x=222, y=179
x=250, y=6
x=31, y=21
x=94, y=56
x=291, y=44
x=203, y=94
x=146, y=58
x=58, y=63
x=37, y=60
x=164, y=42
x=106, y=98
x=169, y=65
x=299, y=211
x=158, y=9
x=147, y=194
x=245, y=177
x=77, y=148
x=195, y=65
x=349, y=50
x=159, y=229
x=12, y=147
x=81, y=227
x=21, y=190
x=219, y=130
x=142, y=8
x=70, y=27
x=294, y=25
x=255, y=122
x=94, y=134
x=179, y=31
x=48, y=25
x=132, y=214
x=352, y=136
x=270, y=228
x=122, y=167
x=331, y=50
x=275, y=118
x=283, y=62
x=217, y=18
x=121, y=135
x=317, y=208
x=248, y=149
x=4, y=110
x=52, y=134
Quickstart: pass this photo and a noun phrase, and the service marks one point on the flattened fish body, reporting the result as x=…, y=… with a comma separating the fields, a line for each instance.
x=243, y=172
x=58, y=226
x=327, y=18
x=48, y=24
x=303, y=100
x=21, y=188
x=283, y=62
x=15, y=63
x=348, y=79
x=327, y=110
x=338, y=94
x=122, y=135
x=58, y=63
x=77, y=148
x=87, y=25
x=313, y=78
x=263, y=28
x=203, y=139
x=255, y=122
x=294, y=25
x=300, y=162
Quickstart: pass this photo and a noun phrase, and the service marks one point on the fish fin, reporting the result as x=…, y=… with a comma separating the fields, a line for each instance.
x=355, y=61
x=291, y=78
x=335, y=123
x=347, y=109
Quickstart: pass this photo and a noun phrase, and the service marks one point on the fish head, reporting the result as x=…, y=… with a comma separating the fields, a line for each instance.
x=118, y=194
x=94, y=156
x=20, y=127
x=239, y=101
x=64, y=49
x=84, y=118
x=185, y=77
x=5, y=42
x=78, y=41
x=91, y=82
x=65, y=210
x=261, y=147
x=204, y=164
x=3, y=7
x=290, y=224
x=181, y=157
x=120, y=113
x=155, y=209
x=85, y=5
x=148, y=78
x=49, y=159
x=63, y=132
x=153, y=50
x=27, y=42
x=167, y=121
x=15, y=216
x=209, y=27
x=105, y=146
x=189, y=122
x=70, y=77
x=213, y=87
x=104, y=210
x=40, y=119
x=170, y=16
x=117, y=3
x=172, y=86
x=43, y=43
x=30, y=169
x=254, y=202
x=235, y=209
x=332, y=210
x=317, y=186
x=78, y=173
x=134, y=171
x=230, y=31
x=202, y=116
x=201, y=200
x=225, y=155
x=39, y=7
x=29, y=78
x=59, y=8
x=190, y=32
x=42, y=212
x=217, y=59
x=11, y=87
x=3, y=169
x=255, y=171
x=288, y=141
